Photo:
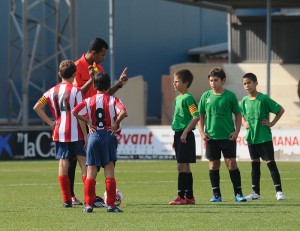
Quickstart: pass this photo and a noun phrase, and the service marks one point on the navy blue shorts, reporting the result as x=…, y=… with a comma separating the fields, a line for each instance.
x=185, y=152
x=69, y=150
x=265, y=151
x=214, y=149
x=101, y=149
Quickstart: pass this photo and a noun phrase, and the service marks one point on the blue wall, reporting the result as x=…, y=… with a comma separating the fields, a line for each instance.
x=4, y=9
x=150, y=36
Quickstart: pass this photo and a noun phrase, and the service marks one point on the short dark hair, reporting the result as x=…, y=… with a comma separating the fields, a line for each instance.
x=185, y=76
x=217, y=72
x=250, y=76
x=66, y=69
x=97, y=44
x=101, y=81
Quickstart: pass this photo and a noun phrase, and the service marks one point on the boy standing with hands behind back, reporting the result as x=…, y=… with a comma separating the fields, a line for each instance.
x=185, y=119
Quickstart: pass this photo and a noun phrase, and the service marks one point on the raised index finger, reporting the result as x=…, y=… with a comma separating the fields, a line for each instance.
x=124, y=71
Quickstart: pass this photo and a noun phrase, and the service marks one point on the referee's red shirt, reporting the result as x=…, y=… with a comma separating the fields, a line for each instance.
x=82, y=75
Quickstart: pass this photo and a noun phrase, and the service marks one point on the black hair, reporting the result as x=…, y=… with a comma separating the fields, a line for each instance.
x=250, y=76
x=101, y=81
x=66, y=69
x=217, y=72
x=185, y=76
x=97, y=45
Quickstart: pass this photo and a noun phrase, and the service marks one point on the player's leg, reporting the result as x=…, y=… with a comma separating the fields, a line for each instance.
x=89, y=188
x=255, y=153
x=255, y=179
x=276, y=179
x=81, y=158
x=190, y=150
x=268, y=149
x=182, y=167
x=71, y=174
x=181, y=184
x=83, y=167
x=108, y=156
x=189, y=192
x=63, y=154
x=64, y=182
x=229, y=153
x=235, y=177
x=93, y=166
x=213, y=154
x=111, y=186
x=214, y=176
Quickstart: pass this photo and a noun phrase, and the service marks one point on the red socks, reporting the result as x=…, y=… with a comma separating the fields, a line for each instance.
x=89, y=191
x=64, y=183
x=110, y=184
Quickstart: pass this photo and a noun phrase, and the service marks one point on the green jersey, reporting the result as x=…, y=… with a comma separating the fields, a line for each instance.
x=256, y=110
x=218, y=110
x=185, y=109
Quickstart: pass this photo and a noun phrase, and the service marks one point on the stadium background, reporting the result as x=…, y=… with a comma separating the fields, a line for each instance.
x=152, y=38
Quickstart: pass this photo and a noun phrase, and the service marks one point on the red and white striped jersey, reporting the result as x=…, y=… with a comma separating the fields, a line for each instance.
x=102, y=109
x=62, y=99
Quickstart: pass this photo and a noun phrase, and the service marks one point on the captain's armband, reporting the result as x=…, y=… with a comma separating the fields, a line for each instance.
x=43, y=100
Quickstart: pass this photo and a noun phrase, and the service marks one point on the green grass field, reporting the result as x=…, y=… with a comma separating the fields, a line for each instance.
x=30, y=199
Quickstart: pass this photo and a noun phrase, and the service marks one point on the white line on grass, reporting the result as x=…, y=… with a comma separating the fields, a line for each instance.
x=125, y=182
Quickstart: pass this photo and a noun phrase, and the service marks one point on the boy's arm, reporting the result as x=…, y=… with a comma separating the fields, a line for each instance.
x=266, y=122
x=83, y=129
x=83, y=119
x=39, y=109
x=245, y=122
x=201, y=122
x=122, y=81
x=238, y=124
x=116, y=124
x=88, y=84
x=192, y=124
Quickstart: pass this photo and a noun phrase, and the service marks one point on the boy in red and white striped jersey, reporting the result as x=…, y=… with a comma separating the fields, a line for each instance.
x=105, y=113
x=69, y=135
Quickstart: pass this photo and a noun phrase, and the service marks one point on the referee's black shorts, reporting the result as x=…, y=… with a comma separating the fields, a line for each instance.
x=185, y=152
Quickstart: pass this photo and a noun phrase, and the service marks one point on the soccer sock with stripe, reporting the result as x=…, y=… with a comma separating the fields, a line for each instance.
x=235, y=177
x=89, y=191
x=64, y=183
x=110, y=184
x=181, y=183
x=255, y=175
x=214, y=176
x=189, y=185
x=275, y=175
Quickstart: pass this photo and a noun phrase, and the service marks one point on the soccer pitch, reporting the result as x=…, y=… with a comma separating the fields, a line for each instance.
x=30, y=199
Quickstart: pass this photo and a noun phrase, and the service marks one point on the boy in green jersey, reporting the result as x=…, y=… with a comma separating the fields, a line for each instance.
x=256, y=108
x=216, y=107
x=185, y=119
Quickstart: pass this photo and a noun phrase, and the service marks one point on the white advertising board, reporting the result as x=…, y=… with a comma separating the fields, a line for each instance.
x=157, y=141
